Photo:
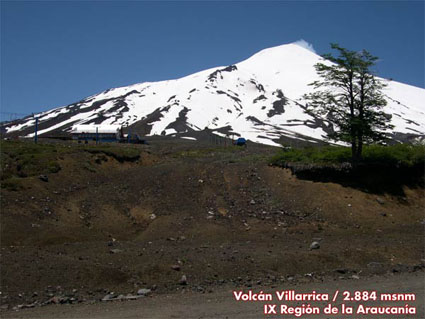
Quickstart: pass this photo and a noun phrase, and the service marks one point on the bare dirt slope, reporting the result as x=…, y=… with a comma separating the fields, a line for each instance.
x=220, y=216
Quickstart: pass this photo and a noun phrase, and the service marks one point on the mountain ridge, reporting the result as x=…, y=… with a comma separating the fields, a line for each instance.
x=258, y=98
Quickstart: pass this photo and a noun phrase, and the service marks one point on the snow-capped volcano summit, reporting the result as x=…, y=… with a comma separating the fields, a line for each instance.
x=258, y=98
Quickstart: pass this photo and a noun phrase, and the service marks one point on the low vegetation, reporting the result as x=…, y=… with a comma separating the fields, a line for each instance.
x=400, y=155
x=21, y=159
x=382, y=169
x=119, y=152
x=24, y=159
x=202, y=152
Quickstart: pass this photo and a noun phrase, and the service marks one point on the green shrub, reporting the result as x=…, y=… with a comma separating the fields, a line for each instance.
x=396, y=155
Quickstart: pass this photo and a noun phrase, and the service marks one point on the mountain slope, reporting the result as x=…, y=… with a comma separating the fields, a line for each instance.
x=258, y=98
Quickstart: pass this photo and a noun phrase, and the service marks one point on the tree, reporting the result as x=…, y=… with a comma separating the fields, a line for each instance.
x=350, y=97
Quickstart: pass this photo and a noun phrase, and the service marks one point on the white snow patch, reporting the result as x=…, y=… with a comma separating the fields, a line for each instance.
x=306, y=45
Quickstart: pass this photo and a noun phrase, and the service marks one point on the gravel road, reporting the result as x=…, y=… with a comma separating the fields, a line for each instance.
x=221, y=304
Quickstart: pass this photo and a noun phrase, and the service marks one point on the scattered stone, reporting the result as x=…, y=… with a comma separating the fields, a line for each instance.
x=175, y=267
x=376, y=267
x=44, y=178
x=401, y=268
x=349, y=205
x=200, y=289
x=31, y=305
x=314, y=245
x=132, y=297
x=54, y=300
x=152, y=216
x=108, y=297
x=183, y=280
x=143, y=292
x=115, y=251
x=355, y=277
x=383, y=214
x=380, y=200
x=252, y=202
x=341, y=271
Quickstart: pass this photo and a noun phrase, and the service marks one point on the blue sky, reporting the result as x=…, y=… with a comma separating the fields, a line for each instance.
x=54, y=53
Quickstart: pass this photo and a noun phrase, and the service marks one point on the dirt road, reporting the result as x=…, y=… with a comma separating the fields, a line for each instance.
x=221, y=304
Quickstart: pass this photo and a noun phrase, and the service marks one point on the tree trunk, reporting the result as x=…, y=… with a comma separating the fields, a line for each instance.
x=353, y=150
x=359, y=148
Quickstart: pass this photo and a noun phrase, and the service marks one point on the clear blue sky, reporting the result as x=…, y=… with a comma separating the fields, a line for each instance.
x=54, y=53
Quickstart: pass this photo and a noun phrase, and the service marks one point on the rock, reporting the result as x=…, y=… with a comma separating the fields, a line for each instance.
x=401, y=268
x=341, y=270
x=380, y=200
x=252, y=202
x=314, y=245
x=152, y=216
x=183, y=280
x=143, y=292
x=132, y=297
x=200, y=289
x=108, y=297
x=376, y=267
x=44, y=178
x=115, y=251
x=383, y=214
x=175, y=267
x=355, y=277
x=54, y=300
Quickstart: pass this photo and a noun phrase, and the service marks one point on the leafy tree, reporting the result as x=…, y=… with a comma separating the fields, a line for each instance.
x=350, y=97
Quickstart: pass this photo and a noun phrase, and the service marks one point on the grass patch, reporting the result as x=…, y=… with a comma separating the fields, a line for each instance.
x=89, y=167
x=12, y=184
x=202, y=152
x=395, y=156
x=383, y=169
x=24, y=159
x=120, y=152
